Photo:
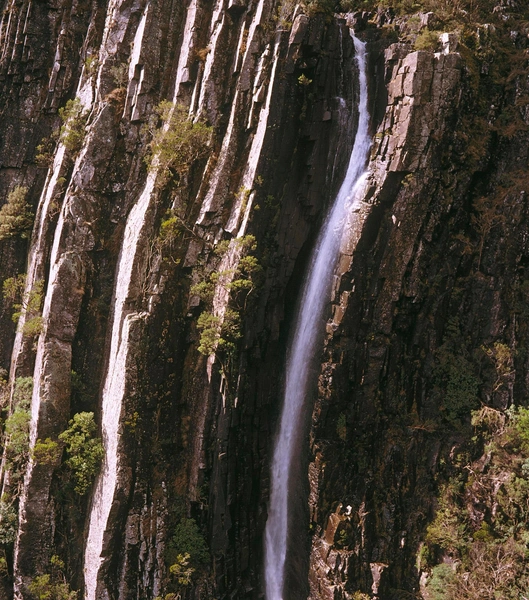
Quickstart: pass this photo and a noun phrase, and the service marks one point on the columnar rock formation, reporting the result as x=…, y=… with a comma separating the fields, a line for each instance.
x=122, y=243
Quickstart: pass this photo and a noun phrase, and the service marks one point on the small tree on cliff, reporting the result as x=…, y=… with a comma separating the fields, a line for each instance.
x=178, y=142
x=73, y=129
x=85, y=450
x=16, y=216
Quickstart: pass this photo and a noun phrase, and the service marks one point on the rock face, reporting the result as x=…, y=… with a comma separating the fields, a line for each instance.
x=381, y=429
x=423, y=98
x=137, y=257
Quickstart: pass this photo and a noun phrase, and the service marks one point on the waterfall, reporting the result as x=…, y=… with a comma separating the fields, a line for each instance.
x=308, y=329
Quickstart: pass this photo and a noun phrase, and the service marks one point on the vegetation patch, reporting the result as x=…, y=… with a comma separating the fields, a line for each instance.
x=314, y=7
x=478, y=544
x=177, y=141
x=52, y=585
x=45, y=151
x=427, y=40
x=84, y=450
x=461, y=10
x=73, y=129
x=16, y=215
x=284, y=13
x=16, y=429
x=16, y=454
x=221, y=333
x=218, y=334
x=46, y=452
x=8, y=521
x=187, y=554
x=455, y=377
x=25, y=302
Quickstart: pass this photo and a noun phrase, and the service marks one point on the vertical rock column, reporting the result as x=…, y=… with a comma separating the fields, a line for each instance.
x=422, y=95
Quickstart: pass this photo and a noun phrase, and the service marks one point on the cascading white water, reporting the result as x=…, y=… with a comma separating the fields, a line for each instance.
x=316, y=295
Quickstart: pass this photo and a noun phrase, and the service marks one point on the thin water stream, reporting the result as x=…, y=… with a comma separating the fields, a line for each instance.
x=307, y=332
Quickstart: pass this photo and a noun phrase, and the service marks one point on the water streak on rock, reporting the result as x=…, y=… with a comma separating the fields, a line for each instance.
x=114, y=389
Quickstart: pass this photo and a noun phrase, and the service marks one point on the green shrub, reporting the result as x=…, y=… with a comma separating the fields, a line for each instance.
x=171, y=229
x=519, y=425
x=28, y=303
x=181, y=570
x=243, y=277
x=16, y=215
x=73, y=129
x=188, y=540
x=186, y=552
x=120, y=74
x=45, y=150
x=178, y=142
x=210, y=327
x=52, y=586
x=448, y=531
x=17, y=431
x=8, y=522
x=46, y=452
x=17, y=428
x=218, y=334
x=222, y=333
x=427, y=40
x=23, y=392
x=84, y=450
x=484, y=533
x=443, y=577
x=44, y=588
x=205, y=289
x=456, y=383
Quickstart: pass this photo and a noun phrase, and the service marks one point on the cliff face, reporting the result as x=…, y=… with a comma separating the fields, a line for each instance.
x=141, y=257
x=435, y=277
x=424, y=94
